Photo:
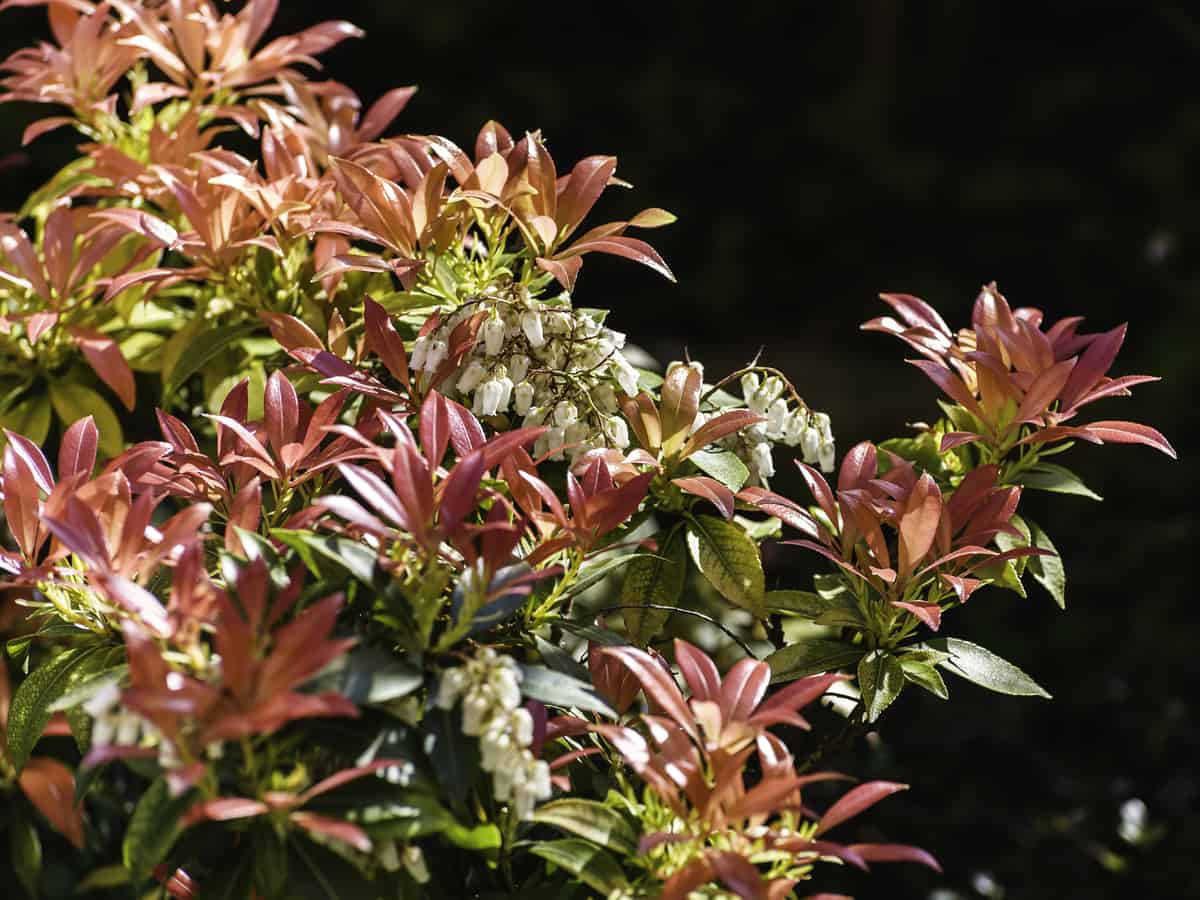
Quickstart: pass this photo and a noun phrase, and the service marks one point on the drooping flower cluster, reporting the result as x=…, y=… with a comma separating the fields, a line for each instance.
x=788, y=422
x=541, y=363
x=489, y=686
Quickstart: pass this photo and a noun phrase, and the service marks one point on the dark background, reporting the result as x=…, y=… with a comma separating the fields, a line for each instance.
x=817, y=154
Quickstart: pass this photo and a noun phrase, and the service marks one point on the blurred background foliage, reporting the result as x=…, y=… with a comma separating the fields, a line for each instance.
x=816, y=154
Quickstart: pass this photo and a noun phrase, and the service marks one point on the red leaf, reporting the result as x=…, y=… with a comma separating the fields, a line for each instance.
x=929, y=613
x=711, y=490
x=919, y=522
x=290, y=332
x=742, y=688
x=859, y=467
x=281, y=410
x=565, y=271
x=77, y=454
x=716, y=428
x=617, y=245
x=854, y=801
x=50, y=786
x=335, y=828
x=435, y=428
x=384, y=341
x=21, y=505
x=109, y=363
x=895, y=853
x=459, y=491
x=659, y=686
x=223, y=809
x=1115, y=432
x=699, y=671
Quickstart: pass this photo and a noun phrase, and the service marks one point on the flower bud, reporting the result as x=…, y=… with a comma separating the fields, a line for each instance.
x=826, y=456
x=565, y=413
x=492, y=333
x=626, y=375
x=776, y=415
x=471, y=376
x=518, y=367
x=760, y=456
x=523, y=398
x=617, y=431
x=435, y=356
x=531, y=324
x=810, y=444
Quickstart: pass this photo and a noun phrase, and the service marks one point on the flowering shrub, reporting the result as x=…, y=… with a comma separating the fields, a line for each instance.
x=346, y=624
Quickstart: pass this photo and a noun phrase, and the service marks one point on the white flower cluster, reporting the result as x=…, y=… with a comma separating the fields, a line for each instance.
x=795, y=426
x=546, y=364
x=393, y=857
x=490, y=689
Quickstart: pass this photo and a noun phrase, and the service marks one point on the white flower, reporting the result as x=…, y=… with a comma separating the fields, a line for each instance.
x=826, y=456
x=793, y=428
x=776, y=414
x=435, y=355
x=470, y=378
x=626, y=375
x=523, y=398
x=810, y=444
x=389, y=859
x=518, y=367
x=534, y=417
x=565, y=414
x=617, y=431
x=506, y=389
x=764, y=465
x=605, y=398
x=414, y=864
x=419, y=351
x=531, y=324
x=492, y=333
x=555, y=438
x=750, y=384
x=488, y=397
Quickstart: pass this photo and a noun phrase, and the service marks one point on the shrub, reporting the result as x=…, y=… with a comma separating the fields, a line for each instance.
x=392, y=603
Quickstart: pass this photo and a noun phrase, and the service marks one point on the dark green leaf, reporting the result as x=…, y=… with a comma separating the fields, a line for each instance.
x=557, y=689
x=355, y=557
x=924, y=675
x=25, y=852
x=589, y=819
x=558, y=659
x=729, y=559
x=197, y=351
x=986, y=669
x=808, y=657
x=153, y=828
x=595, y=572
x=1048, y=571
x=317, y=873
x=587, y=862
x=30, y=710
x=1058, y=479
x=455, y=756
x=368, y=675
x=657, y=580
x=603, y=636
x=73, y=401
x=880, y=678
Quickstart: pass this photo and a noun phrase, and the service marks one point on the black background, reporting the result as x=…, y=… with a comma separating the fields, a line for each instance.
x=817, y=154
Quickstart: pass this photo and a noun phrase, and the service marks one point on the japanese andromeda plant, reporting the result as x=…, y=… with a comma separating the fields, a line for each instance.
x=391, y=596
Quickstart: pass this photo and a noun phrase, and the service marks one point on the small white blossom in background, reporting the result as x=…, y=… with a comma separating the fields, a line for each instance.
x=114, y=726
x=535, y=363
x=489, y=687
x=786, y=423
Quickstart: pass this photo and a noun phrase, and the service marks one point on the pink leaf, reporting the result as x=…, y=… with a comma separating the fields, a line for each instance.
x=855, y=801
x=711, y=490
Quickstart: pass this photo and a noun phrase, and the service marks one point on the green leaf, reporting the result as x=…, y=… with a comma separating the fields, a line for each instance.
x=404, y=816
x=1047, y=571
x=25, y=852
x=728, y=558
x=605, y=637
x=270, y=862
x=839, y=609
x=561, y=690
x=596, y=572
x=355, y=557
x=1057, y=479
x=924, y=675
x=811, y=656
x=985, y=668
x=183, y=360
x=317, y=873
x=723, y=465
x=558, y=659
x=30, y=418
x=658, y=580
x=456, y=755
x=587, y=862
x=72, y=175
x=30, y=710
x=1003, y=575
x=104, y=877
x=760, y=529
x=589, y=819
x=153, y=828
x=881, y=679
x=72, y=401
x=368, y=675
